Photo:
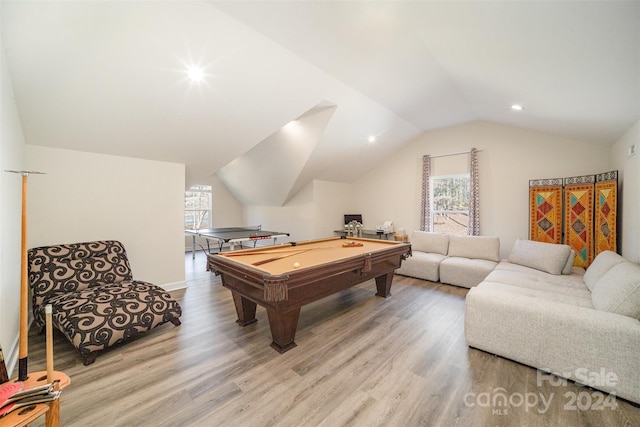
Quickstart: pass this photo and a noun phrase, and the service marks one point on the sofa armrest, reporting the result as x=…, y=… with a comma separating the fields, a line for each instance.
x=422, y=265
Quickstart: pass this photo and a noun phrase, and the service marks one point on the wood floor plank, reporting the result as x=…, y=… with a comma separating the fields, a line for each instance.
x=361, y=360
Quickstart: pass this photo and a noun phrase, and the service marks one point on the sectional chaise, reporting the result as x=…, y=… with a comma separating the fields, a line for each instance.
x=537, y=309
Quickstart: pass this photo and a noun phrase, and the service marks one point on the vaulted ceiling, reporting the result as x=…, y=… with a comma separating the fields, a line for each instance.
x=293, y=90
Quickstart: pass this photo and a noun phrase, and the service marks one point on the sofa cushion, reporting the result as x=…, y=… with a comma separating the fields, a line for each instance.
x=568, y=267
x=604, y=262
x=424, y=241
x=542, y=293
x=547, y=257
x=566, y=284
x=475, y=247
x=577, y=273
x=618, y=290
x=465, y=271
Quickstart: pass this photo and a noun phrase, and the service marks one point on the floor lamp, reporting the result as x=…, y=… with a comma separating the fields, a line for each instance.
x=24, y=286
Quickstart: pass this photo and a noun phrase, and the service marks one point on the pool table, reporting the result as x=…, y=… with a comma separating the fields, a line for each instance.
x=283, y=278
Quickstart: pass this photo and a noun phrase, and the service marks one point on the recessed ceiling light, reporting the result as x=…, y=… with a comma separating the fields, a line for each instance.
x=517, y=107
x=372, y=138
x=292, y=126
x=195, y=74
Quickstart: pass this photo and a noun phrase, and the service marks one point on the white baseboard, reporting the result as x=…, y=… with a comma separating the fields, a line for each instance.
x=174, y=286
x=11, y=356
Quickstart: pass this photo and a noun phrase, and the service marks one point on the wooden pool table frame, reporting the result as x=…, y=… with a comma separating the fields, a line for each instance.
x=249, y=285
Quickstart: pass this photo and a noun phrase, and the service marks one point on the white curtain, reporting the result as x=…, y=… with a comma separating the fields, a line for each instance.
x=425, y=223
x=474, y=196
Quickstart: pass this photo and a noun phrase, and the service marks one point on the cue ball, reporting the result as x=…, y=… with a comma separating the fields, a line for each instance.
x=296, y=265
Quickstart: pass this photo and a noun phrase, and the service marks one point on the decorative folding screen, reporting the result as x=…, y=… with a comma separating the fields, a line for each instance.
x=545, y=210
x=588, y=213
x=606, y=211
x=578, y=217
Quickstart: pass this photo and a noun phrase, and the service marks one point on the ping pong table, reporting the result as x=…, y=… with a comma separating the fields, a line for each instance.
x=233, y=236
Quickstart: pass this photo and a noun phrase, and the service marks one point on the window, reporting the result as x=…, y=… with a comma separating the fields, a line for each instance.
x=197, y=207
x=450, y=204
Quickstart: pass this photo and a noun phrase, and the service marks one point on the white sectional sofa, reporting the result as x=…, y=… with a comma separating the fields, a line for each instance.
x=451, y=259
x=584, y=326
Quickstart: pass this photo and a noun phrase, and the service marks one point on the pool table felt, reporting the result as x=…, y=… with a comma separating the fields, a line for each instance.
x=306, y=254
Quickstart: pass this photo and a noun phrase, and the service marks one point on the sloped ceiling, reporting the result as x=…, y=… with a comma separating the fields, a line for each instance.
x=110, y=77
x=260, y=178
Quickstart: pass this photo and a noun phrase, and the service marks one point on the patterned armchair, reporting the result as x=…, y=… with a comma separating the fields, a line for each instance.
x=96, y=303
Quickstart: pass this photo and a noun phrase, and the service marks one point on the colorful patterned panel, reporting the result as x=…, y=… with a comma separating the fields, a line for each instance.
x=545, y=210
x=578, y=221
x=606, y=211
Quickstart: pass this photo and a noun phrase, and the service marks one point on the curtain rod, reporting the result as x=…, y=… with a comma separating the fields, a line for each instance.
x=452, y=154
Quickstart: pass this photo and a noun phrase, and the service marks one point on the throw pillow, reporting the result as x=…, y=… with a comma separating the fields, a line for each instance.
x=475, y=247
x=618, y=290
x=604, y=262
x=548, y=257
x=424, y=241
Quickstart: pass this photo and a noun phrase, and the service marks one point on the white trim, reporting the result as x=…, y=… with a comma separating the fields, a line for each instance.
x=174, y=286
x=11, y=356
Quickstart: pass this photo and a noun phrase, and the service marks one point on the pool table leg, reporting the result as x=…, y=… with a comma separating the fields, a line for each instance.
x=383, y=284
x=283, y=329
x=246, y=309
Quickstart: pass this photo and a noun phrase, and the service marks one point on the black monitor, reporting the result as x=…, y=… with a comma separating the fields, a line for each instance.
x=352, y=217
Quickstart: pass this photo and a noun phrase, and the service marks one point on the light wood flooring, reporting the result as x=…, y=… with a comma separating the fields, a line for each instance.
x=361, y=360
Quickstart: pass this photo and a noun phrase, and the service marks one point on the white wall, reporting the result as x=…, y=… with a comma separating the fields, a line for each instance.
x=227, y=211
x=332, y=200
x=629, y=195
x=11, y=157
x=295, y=217
x=314, y=212
x=87, y=196
x=510, y=157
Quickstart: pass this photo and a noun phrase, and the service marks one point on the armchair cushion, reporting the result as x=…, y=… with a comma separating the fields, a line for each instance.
x=98, y=317
x=75, y=267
